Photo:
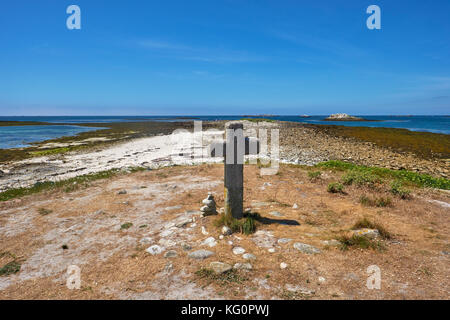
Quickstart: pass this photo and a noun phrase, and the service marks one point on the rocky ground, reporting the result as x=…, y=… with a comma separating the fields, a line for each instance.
x=141, y=236
x=308, y=145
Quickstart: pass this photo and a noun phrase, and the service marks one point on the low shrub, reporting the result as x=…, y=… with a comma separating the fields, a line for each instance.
x=360, y=242
x=375, y=202
x=246, y=225
x=314, y=175
x=335, y=187
x=365, y=223
x=398, y=190
x=360, y=178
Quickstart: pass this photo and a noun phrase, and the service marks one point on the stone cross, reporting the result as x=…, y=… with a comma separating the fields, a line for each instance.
x=233, y=150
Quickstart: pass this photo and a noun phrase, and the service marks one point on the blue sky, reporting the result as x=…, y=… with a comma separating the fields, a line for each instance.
x=224, y=57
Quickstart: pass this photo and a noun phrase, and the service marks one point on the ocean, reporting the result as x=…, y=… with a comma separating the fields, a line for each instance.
x=22, y=136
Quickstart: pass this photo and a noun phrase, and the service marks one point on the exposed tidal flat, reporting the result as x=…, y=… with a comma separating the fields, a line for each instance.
x=148, y=144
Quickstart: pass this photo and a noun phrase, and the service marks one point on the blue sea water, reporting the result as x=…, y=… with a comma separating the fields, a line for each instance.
x=20, y=136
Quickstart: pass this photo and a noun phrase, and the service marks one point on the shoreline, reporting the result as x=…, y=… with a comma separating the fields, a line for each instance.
x=124, y=145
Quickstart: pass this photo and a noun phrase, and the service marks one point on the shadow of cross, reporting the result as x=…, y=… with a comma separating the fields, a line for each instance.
x=234, y=149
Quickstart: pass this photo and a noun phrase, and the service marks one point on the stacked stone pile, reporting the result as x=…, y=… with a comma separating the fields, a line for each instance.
x=209, y=207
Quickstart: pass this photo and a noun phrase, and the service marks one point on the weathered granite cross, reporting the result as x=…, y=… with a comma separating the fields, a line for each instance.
x=234, y=149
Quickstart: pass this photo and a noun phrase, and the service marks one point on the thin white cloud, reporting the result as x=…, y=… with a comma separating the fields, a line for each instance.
x=336, y=47
x=185, y=52
x=152, y=44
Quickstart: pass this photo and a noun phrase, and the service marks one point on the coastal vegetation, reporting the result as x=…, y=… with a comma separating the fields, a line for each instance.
x=375, y=201
x=398, y=189
x=126, y=225
x=370, y=175
x=67, y=185
x=335, y=187
x=10, y=268
x=366, y=223
x=247, y=225
x=225, y=278
x=258, y=120
x=314, y=175
x=13, y=266
x=361, y=242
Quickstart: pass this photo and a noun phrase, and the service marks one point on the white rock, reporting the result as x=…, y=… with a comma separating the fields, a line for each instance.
x=249, y=256
x=243, y=266
x=221, y=237
x=368, y=233
x=155, y=249
x=169, y=225
x=299, y=289
x=209, y=203
x=204, y=232
x=226, y=231
x=200, y=254
x=171, y=254
x=167, y=232
x=271, y=250
x=440, y=203
x=331, y=243
x=167, y=242
x=306, y=248
x=321, y=280
x=205, y=209
x=238, y=250
x=230, y=242
x=183, y=223
x=146, y=240
x=295, y=206
x=210, y=242
x=283, y=265
x=284, y=240
x=275, y=214
x=220, y=267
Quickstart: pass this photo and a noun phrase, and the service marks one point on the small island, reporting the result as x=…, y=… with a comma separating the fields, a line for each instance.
x=344, y=117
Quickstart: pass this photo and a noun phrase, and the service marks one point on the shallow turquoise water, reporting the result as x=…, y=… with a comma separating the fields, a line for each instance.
x=21, y=136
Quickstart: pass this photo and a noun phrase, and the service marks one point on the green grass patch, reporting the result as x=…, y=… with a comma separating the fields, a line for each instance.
x=404, y=176
x=360, y=178
x=398, y=190
x=68, y=185
x=365, y=223
x=232, y=276
x=50, y=152
x=380, y=202
x=335, y=187
x=314, y=175
x=10, y=268
x=359, y=242
x=126, y=225
x=247, y=225
x=44, y=212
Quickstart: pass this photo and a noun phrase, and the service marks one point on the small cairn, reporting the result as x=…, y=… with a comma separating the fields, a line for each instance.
x=209, y=207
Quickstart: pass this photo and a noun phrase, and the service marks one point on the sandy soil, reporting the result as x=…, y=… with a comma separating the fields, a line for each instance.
x=151, y=152
x=115, y=265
